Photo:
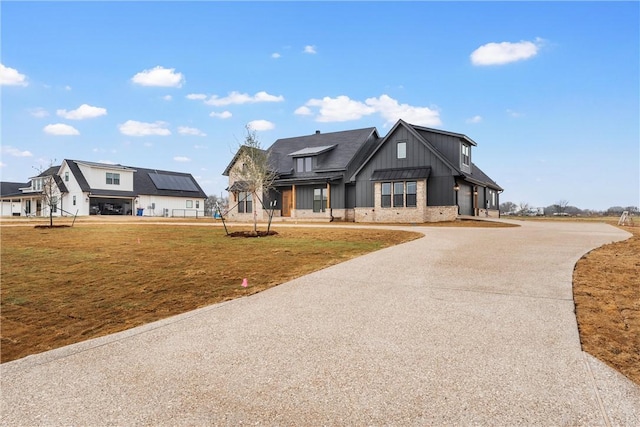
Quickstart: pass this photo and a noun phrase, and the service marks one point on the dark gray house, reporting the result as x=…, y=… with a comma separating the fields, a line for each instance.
x=413, y=174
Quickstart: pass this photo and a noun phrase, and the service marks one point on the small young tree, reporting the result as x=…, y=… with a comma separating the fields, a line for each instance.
x=255, y=170
x=50, y=196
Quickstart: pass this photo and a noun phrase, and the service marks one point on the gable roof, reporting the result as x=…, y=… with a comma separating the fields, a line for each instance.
x=237, y=156
x=418, y=136
x=477, y=176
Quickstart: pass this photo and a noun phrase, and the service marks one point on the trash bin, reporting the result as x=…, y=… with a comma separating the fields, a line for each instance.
x=140, y=210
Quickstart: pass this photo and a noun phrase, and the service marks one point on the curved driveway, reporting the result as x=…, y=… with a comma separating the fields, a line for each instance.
x=464, y=326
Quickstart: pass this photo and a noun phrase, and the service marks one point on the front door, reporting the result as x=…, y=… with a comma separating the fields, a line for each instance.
x=286, y=203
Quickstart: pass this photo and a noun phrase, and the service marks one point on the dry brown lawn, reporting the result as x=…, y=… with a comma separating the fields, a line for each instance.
x=67, y=285
x=606, y=289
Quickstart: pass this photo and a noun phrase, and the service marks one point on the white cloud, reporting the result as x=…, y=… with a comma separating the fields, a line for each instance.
x=185, y=130
x=197, y=96
x=243, y=98
x=167, y=97
x=474, y=119
x=12, y=151
x=275, y=55
x=39, y=112
x=84, y=111
x=159, y=76
x=310, y=49
x=505, y=52
x=11, y=77
x=343, y=108
x=181, y=159
x=303, y=111
x=67, y=87
x=134, y=128
x=2, y=164
x=391, y=110
x=148, y=144
x=514, y=114
x=200, y=147
x=260, y=125
x=223, y=115
x=60, y=129
x=339, y=109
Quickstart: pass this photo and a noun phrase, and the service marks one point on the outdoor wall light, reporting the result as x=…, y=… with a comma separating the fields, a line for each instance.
x=456, y=187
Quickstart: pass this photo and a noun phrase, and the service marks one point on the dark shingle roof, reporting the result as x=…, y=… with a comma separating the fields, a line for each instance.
x=347, y=144
x=9, y=189
x=143, y=184
x=478, y=176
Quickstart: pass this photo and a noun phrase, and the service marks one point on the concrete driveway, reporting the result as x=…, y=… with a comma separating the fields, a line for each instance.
x=464, y=326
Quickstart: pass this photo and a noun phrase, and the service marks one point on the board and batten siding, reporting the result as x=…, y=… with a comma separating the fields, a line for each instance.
x=417, y=156
x=97, y=178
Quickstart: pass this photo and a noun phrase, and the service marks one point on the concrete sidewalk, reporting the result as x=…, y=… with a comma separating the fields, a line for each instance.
x=465, y=326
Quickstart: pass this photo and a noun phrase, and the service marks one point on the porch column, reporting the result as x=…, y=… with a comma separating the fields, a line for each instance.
x=293, y=199
x=328, y=196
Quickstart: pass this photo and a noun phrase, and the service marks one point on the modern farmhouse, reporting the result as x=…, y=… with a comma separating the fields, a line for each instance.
x=413, y=174
x=88, y=188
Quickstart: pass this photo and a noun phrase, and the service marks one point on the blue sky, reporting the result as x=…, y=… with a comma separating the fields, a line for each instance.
x=548, y=90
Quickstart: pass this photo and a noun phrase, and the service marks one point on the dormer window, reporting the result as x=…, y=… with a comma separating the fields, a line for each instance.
x=466, y=155
x=113, y=178
x=304, y=164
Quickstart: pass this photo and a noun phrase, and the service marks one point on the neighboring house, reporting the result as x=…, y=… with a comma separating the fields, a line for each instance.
x=88, y=188
x=413, y=174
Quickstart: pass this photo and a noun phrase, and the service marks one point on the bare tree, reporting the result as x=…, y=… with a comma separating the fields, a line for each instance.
x=508, y=207
x=561, y=206
x=523, y=207
x=50, y=196
x=255, y=171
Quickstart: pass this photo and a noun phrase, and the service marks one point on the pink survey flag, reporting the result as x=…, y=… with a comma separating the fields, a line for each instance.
x=245, y=283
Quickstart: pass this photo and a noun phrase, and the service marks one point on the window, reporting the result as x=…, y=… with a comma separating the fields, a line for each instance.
x=197, y=204
x=402, y=150
x=386, y=195
x=466, y=154
x=304, y=164
x=74, y=200
x=245, y=202
x=412, y=188
x=189, y=204
x=398, y=194
x=54, y=204
x=319, y=199
x=113, y=178
x=66, y=177
x=404, y=194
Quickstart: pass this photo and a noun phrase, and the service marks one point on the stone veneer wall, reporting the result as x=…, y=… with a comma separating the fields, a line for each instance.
x=441, y=213
x=420, y=213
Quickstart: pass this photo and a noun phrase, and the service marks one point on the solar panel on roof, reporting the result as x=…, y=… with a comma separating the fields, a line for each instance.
x=173, y=182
